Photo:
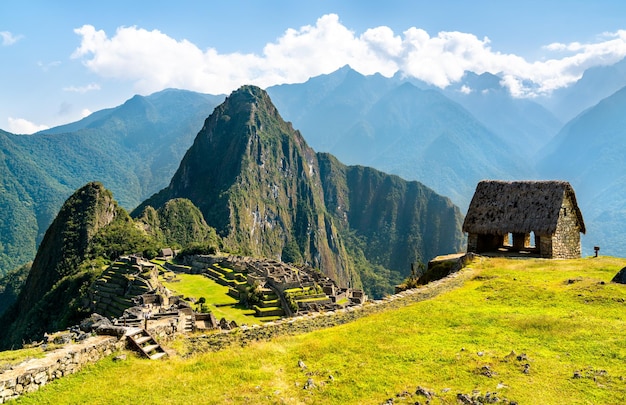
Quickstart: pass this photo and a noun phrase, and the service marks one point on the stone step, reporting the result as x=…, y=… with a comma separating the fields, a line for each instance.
x=143, y=340
x=158, y=355
x=150, y=348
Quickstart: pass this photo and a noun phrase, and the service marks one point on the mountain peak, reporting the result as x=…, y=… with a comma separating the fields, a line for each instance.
x=64, y=246
x=259, y=184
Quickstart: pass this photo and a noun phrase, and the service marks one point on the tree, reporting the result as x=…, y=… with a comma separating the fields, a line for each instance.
x=201, y=302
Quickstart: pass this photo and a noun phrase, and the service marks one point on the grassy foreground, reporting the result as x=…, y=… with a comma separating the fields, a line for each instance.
x=534, y=331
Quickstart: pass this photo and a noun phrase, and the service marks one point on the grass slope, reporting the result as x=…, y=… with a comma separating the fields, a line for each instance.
x=564, y=318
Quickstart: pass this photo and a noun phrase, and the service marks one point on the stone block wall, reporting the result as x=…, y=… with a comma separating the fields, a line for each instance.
x=29, y=376
x=566, y=239
x=319, y=320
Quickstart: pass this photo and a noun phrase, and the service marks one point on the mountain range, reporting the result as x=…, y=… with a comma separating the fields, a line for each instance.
x=263, y=192
x=133, y=149
x=446, y=139
x=267, y=193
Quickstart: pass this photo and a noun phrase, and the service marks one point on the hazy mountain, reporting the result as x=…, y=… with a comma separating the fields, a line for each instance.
x=395, y=126
x=266, y=192
x=29, y=199
x=596, y=83
x=522, y=123
x=589, y=151
x=325, y=107
x=133, y=149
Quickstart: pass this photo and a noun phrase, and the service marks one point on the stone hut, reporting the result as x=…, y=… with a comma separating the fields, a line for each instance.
x=167, y=253
x=503, y=215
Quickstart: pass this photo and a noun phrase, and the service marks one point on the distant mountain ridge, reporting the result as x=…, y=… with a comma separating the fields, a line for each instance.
x=590, y=151
x=395, y=126
x=133, y=149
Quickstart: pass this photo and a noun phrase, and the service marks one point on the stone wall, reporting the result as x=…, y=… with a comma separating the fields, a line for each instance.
x=566, y=239
x=30, y=375
x=319, y=320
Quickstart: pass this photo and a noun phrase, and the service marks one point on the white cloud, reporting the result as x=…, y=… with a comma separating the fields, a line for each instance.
x=82, y=89
x=465, y=89
x=85, y=112
x=24, y=127
x=9, y=39
x=153, y=60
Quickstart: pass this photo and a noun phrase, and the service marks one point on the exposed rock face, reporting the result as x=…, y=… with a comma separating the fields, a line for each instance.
x=267, y=193
x=257, y=182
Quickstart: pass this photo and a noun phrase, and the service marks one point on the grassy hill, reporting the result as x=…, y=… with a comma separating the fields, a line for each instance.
x=532, y=331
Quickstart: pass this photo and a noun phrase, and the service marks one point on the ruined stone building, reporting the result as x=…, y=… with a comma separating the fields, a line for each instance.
x=507, y=216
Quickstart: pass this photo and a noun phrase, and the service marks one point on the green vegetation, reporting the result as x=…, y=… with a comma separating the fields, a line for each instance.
x=216, y=297
x=180, y=224
x=413, y=280
x=10, y=358
x=134, y=149
x=10, y=286
x=563, y=318
x=264, y=191
x=90, y=231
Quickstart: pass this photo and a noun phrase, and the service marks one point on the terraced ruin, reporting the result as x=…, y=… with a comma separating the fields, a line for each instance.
x=272, y=288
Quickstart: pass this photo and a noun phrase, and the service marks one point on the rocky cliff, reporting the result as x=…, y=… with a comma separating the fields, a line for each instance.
x=267, y=193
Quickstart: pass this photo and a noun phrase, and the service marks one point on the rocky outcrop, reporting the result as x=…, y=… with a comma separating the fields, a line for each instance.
x=620, y=277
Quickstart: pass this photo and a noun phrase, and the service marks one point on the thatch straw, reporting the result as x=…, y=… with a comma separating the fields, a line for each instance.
x=500, y=207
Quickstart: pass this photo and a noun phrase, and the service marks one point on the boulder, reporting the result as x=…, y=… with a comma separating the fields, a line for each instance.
x=111, y=330
x=620, y=277
x=93, y=322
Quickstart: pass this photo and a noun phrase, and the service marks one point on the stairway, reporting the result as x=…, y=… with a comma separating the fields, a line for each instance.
x=189, y=324
x=145, y=343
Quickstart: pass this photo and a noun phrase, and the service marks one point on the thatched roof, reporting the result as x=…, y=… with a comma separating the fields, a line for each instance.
x=500, y=207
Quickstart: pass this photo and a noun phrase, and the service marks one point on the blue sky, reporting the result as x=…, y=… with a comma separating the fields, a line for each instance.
x=64, y=59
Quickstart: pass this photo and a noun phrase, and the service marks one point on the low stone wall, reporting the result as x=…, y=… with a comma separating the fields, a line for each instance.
x=30, y=375
x=319, y=320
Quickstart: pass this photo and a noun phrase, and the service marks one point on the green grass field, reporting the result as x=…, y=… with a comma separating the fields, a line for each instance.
x=563, y=318
x=217, y=299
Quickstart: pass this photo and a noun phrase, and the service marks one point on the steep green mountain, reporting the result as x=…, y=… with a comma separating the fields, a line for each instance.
x=258, y=183
x=404, y=128
x=179, y=224
x=589, y=151
x=133, y=149
x=46, y=302
x=89, y=232
x=10, y=286
x=387, y=221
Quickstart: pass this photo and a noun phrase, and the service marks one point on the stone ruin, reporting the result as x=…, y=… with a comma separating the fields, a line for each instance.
x=310, y=289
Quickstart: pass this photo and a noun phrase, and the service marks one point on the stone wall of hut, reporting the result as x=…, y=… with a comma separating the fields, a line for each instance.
x=566, y=239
